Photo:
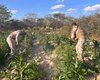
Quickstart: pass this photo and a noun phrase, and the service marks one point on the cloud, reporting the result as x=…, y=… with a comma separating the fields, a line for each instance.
x=57, y=6
x=56, y=12
x=71, y=10
x=13, y=11
x=92, y=8
x=58, y=1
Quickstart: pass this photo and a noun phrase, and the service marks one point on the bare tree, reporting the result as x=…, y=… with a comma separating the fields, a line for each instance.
x=30, y=20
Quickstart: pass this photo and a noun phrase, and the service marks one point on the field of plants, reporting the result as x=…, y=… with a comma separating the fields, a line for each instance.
x=65, y=65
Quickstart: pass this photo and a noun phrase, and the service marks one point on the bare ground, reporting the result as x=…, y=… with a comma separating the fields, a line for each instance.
x=46, y=60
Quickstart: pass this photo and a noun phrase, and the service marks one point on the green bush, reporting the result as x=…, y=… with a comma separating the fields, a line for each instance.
x=4, y=49
x=58, y=38
x=21, y=69
x=25, y=70
x=43, y=40
x=69, y=68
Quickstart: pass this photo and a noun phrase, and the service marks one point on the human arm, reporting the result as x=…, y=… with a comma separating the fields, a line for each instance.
x=17, y=38
x=73, y=33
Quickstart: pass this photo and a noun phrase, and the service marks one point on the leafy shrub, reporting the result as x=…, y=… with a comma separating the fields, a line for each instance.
x=43, y=40
x=21, y=69
x=4, y=49
x=57, y=38
x=69, y=68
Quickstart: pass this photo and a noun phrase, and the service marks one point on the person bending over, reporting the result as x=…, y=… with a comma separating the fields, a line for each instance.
x=14, y=40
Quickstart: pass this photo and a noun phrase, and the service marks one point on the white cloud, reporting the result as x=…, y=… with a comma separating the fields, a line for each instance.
x=71, y=10
x=58, y=1
x=92, y=8
x=57, y=6
x=55, y=12
x=13, y=11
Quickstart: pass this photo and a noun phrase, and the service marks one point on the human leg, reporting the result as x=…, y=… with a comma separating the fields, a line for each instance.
x=79, y=50
x=11, y=45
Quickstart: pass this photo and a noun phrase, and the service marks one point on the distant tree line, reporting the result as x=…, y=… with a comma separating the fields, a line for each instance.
x=90, y=23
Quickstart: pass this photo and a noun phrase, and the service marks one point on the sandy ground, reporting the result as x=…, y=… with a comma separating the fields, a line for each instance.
x=46, y=60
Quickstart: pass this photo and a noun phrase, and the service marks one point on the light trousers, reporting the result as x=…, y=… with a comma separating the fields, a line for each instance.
x=79, y=49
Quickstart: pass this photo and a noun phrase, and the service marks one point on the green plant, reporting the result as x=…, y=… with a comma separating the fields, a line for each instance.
x=43, y=39
x=4, y=49
x=20, y=68
x=69, y=68
x=25, y=70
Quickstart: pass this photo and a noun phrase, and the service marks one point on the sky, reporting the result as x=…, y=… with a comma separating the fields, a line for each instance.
x=75, y=8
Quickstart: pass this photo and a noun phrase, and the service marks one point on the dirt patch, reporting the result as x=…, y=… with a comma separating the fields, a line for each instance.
x=46, y=60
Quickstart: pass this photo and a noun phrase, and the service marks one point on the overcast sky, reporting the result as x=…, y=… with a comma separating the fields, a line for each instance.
x=76, y=8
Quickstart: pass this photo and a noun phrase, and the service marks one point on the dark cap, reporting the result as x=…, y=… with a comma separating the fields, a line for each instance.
x=74, y=24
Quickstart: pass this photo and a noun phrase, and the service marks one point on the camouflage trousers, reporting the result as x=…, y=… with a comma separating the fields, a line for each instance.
x=79, y=49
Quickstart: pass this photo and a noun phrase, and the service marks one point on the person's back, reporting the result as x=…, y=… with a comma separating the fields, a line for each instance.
x=80, y=33
x=13, y=34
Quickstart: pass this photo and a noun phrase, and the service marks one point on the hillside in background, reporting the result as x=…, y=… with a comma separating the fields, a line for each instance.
x=51, y=22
